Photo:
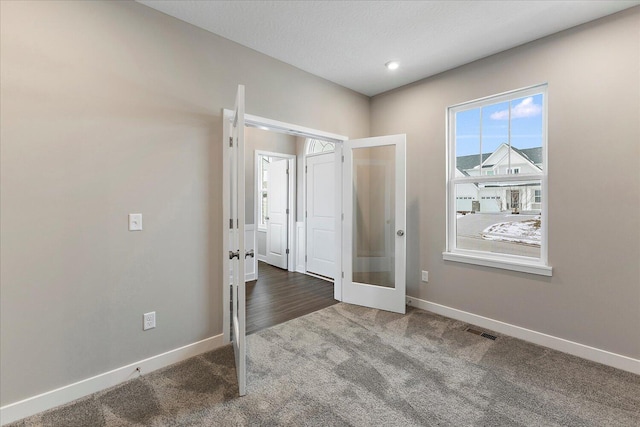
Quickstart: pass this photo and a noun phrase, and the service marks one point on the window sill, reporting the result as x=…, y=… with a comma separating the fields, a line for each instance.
x=505, y=264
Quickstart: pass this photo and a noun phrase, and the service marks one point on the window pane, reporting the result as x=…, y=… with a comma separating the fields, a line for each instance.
x=499, y=217
x=467, y=143
x=495, y=137
x=263, y=208
x=318, y=146
x=526, y=134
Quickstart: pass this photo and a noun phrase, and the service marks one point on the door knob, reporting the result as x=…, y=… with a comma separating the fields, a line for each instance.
x=400, y=233
x=250, y=253
x=233, y=255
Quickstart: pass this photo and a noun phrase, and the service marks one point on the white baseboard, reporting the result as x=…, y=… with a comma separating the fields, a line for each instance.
x=584, y=351
x=249, y=277
x=51, y=399
x=262, y=258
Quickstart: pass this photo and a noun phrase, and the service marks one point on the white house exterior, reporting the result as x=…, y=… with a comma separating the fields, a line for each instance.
x=496, y=196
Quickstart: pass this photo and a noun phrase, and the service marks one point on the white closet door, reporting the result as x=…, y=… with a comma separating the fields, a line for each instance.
x=277, y=198
x=321, y=251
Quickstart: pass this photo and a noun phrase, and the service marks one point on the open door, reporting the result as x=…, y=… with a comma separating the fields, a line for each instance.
x=277, y=212
x=374, y=240
x=234, y=259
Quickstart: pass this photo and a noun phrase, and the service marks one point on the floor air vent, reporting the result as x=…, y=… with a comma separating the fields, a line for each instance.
x=482, y=334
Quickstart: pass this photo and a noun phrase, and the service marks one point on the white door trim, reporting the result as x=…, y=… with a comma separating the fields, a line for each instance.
x=291, y=203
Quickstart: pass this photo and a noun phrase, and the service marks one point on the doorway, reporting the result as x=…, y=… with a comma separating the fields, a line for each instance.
x=274, y=199
x=348, y=287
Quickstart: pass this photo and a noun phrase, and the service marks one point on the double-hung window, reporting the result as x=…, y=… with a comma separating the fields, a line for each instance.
x=497, y=156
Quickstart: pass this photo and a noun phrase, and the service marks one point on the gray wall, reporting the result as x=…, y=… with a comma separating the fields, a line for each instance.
x=110, y=108
x=594, y=185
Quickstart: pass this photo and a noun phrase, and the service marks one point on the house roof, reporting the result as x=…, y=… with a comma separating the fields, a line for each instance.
x=534, y=155
x=470, y=162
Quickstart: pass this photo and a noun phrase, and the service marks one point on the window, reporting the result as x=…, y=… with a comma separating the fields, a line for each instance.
x=496, y=149
x=262, y=191
x=316, y=146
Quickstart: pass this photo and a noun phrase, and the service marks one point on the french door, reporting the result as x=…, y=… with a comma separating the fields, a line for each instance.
x=373, y=219
x=374, y=241
x=234, y=259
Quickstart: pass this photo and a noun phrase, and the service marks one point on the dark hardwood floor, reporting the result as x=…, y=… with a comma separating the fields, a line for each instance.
x=279, y=295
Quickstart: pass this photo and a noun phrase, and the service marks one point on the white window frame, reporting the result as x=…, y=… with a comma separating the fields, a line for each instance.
x=310, y=144
x=489, y=259
x=261, y=192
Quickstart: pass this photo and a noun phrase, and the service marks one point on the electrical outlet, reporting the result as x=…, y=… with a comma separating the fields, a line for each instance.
x=425, y=276
x=149, y=320
x=135, y=222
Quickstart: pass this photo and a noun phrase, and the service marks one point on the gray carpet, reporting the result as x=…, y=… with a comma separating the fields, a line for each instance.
x=348, y=365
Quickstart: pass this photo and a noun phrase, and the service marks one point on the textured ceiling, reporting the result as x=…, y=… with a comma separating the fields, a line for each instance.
x=348, y=42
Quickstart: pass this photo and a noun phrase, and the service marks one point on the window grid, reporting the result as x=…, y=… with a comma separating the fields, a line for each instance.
x=519, y=181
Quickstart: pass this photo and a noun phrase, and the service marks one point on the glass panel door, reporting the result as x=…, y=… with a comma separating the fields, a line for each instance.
x=373, y=215
x=374, y=234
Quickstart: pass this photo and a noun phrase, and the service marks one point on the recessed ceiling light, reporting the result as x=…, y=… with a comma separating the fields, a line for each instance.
x=392, y=65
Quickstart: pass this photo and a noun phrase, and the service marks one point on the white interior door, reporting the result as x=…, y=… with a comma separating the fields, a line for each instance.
x=374, y=238
x=321, y=216
x=277, y=202
x=236, y=255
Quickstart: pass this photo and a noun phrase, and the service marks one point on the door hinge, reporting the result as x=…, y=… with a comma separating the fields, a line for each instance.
x=287, y=251
x=305, y=214
x=231, y=223
x=287, y=211
x=343, y=158
x=343, y=217
x=287, y=171
x=305, y=258
x=230, y=141
x=343, y=274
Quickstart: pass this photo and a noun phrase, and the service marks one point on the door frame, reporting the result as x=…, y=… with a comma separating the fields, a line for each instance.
x=291, y=129
x=291, y=199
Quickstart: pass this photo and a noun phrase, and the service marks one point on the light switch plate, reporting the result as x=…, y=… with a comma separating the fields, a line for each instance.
x=135, y=222
x=425, y=276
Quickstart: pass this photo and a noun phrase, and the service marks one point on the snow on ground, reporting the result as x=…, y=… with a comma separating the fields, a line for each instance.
x=526, y=232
